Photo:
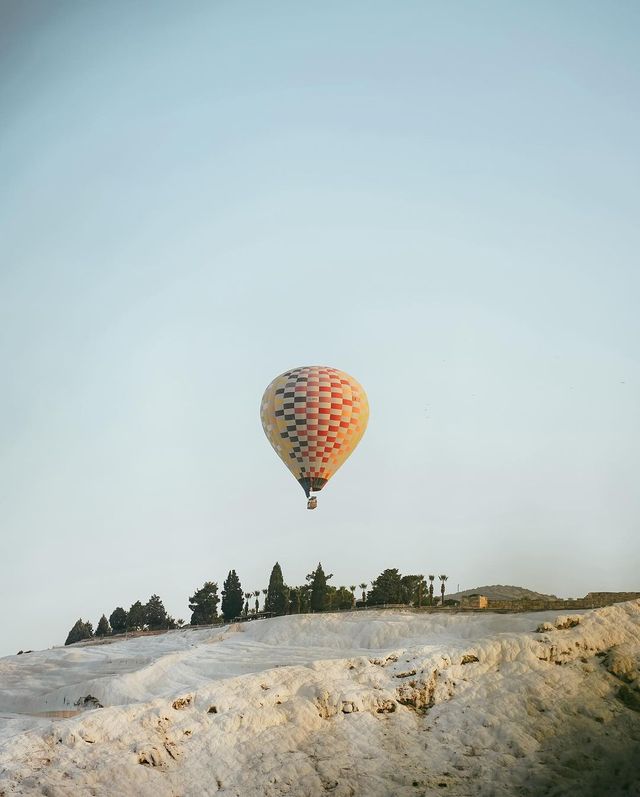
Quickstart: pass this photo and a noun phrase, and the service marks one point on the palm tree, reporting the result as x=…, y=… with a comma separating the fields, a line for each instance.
x=247, y=595
x=256, y=594
x=363, y=587
x=431, y=580
x=442, y=579
x=353, y=592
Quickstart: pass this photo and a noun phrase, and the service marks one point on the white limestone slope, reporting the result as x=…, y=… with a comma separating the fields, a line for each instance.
x=370, y=703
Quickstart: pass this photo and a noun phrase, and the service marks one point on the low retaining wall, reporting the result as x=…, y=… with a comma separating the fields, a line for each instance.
x=594, y=600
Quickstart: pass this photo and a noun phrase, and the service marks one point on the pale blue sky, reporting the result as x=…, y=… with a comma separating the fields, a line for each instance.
x=441, y=199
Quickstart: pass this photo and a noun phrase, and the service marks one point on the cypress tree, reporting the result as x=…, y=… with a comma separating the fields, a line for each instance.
x=155, y=614
x=103, y=629
x=136, y=617
x=318, y=589
x=232, y=596
x=204, y=604
x=80, y=630
x=118, y=620
x=277, y=599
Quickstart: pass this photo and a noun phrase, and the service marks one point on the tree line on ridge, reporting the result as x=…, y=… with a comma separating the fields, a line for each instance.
x=315, y=595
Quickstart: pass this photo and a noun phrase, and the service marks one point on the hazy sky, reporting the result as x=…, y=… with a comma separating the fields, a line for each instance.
x=440, y=198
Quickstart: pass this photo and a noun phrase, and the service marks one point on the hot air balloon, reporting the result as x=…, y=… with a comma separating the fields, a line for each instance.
x=314, y=416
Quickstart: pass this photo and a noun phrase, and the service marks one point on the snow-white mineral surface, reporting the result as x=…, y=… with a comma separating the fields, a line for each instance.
x=359, y=703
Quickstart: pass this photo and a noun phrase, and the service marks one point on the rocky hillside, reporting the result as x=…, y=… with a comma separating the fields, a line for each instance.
x=502, y=592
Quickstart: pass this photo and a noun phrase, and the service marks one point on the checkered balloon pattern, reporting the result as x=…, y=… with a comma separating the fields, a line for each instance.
x=314, y=417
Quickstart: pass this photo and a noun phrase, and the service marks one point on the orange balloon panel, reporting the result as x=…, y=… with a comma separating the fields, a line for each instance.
x=314, y=417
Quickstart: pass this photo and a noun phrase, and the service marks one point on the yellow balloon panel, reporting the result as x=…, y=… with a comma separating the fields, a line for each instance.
x=314, y=416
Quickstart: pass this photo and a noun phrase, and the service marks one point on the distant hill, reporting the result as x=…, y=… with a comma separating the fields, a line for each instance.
x=501, y=592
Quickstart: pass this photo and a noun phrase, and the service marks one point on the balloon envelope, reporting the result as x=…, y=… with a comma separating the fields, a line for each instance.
x=314, y=416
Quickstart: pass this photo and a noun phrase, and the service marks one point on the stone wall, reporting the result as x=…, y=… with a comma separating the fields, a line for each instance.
x=593, y=600
x=611, y=597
